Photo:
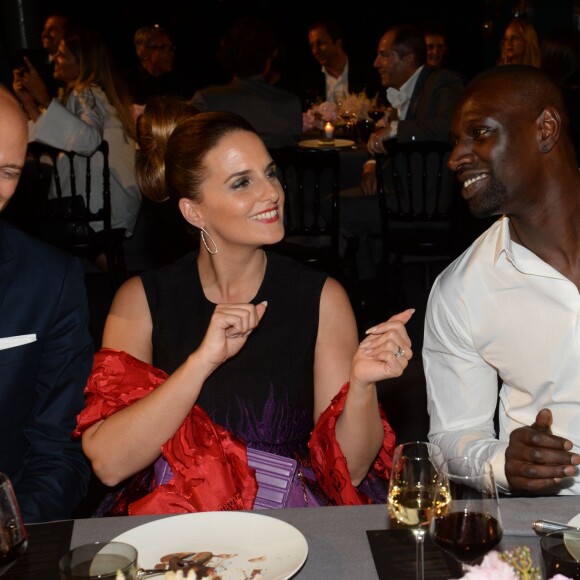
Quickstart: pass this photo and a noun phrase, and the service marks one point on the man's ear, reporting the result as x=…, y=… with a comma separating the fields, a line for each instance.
x=410, y=63
x=190, y=210
x=549, y=127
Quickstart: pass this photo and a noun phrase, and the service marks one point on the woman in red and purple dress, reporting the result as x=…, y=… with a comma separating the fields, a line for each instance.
x=233, y=347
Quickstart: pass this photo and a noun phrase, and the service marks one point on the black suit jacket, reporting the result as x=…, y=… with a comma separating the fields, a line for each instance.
x=428, y=118
x=42, y=293
x=274, y=113
x=429, y=115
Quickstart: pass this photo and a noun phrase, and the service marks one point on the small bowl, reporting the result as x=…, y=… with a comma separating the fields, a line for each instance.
x=100, y=560
x=561, y=554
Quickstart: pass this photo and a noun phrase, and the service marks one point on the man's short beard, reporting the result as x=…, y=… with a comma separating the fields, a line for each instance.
x=490, y=201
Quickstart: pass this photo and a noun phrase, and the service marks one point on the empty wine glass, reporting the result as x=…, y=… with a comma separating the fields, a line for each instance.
x=13, y=537
x=412, y=490
x=469, y=525
x=377, y=113
x=378, y=108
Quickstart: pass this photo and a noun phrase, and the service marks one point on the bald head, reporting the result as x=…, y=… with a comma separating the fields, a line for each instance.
x=512, y=142
x=13, y=144
x=526, y=89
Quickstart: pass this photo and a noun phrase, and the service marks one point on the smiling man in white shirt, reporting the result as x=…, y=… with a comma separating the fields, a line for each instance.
x=508, y=306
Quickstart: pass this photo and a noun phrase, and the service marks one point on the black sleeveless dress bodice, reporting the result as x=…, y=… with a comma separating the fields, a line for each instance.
x=265, y=394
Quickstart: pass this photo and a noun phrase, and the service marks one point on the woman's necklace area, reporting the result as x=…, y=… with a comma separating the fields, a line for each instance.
x=244, y=293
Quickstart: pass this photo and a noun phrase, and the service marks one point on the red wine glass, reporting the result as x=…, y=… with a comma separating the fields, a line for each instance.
x=13, y=537
x=469, y=525
x=376, y=114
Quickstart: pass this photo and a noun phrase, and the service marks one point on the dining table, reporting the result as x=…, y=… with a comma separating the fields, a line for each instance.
x=352, y=152
x=344, y=542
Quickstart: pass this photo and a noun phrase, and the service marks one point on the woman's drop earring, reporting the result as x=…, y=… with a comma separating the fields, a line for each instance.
x=204, y=233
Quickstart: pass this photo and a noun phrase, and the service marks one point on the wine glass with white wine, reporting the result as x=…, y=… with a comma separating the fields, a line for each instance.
x=13, y=537
x=412, y=490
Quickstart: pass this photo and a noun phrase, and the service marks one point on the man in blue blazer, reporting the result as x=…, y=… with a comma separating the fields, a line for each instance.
x=46, y=352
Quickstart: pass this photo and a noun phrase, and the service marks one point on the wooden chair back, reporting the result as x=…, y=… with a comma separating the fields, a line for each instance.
x=417, y=200
x=311, y=182
x=69, y=219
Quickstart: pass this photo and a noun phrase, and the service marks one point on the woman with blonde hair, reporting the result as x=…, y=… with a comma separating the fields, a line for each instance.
x=93, y=107
x=520, y=44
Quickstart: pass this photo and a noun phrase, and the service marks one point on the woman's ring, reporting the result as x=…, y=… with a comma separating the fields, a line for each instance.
x=400, y=352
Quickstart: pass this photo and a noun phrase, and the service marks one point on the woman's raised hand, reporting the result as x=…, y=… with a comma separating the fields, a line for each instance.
x=384, y=353
x=34, y=84
x=228, y=330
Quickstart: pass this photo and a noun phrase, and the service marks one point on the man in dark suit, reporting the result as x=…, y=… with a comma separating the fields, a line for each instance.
x=45, y=352
x=422, y=99
x=246, y=53
x=422, y=96
x=155, y=73
x=340, y=73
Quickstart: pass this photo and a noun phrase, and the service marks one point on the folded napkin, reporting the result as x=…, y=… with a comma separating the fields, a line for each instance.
x=394, y=553
x=12, y=341
x=47, y=542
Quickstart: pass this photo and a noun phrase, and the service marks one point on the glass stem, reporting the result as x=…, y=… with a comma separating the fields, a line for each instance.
x=419, y=555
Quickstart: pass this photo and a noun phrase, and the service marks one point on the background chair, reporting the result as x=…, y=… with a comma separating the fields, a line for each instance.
x=417, y=200
x=67, y=220
x=310, y=178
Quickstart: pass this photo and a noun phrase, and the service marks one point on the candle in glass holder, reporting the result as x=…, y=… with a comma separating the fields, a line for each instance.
x=328, y=130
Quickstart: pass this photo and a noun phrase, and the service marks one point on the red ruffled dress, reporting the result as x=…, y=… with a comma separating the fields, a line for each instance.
x=209, y=463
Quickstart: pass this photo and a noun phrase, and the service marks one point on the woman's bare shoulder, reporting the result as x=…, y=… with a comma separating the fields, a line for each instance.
x=130, y=297
x=128, y=326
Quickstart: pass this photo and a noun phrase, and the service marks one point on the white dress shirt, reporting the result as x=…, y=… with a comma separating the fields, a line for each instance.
x=405, y=93
x=336, y=86
x=498, y=309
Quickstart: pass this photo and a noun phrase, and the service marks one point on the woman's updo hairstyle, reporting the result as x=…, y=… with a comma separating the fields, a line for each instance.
x=174, y=140
x=154, y=127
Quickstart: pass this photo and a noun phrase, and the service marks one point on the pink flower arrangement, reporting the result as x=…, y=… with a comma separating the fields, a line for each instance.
x=353, y=107
x=491, y=567
x=513, y=564
x=319, y=114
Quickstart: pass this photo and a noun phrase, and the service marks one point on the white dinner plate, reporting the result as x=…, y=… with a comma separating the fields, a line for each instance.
x=318, y=144
x=245, y=541
x=572, y=541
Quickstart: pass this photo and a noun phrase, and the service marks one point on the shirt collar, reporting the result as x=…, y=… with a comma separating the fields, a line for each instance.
x=343, y=74
x=504, y=241
x=409, y=85
x=519, y=256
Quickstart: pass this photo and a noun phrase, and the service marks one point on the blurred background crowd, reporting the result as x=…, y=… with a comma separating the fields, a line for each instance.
x=474, y=29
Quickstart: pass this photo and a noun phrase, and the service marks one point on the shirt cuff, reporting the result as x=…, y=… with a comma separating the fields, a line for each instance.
x=498, y=467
